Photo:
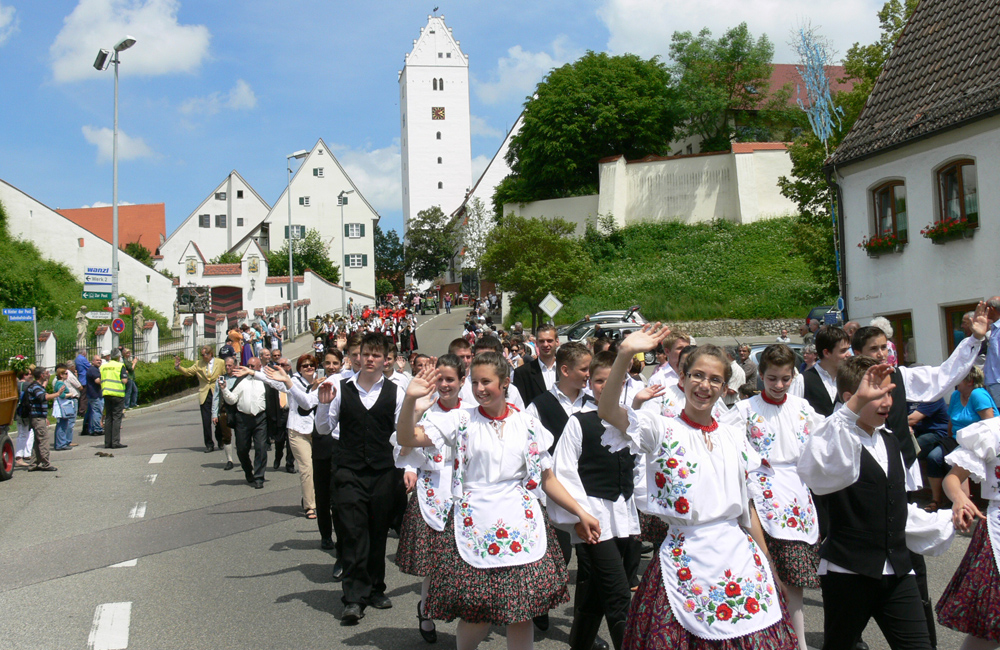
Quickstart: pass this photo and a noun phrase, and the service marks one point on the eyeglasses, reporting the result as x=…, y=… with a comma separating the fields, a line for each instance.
x=306, y=365
x=701, y=378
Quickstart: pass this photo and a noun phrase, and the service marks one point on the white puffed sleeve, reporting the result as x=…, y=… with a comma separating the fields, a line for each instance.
x=645, y=430
x=928, y=533
x=831, y=455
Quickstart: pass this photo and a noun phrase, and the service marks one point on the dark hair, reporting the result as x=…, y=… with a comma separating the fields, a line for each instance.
x=601, y=345
x=392, y=349
x=453, y=362
x=37, y=373
x=546, y=327
x=487, y=343
x=685, y=351
x=827, y=339
x=570, y=353
x=303, y=359
x=709, y=350
x=334, y=351
x=851, y=371
x=377, y=342
x=354, y=340
x=778, y=355
x=458, y=344
x=495, y=360
x=601, y=360
x=863, y=335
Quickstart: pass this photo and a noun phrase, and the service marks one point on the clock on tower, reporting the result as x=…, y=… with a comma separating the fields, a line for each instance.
x=437, y=112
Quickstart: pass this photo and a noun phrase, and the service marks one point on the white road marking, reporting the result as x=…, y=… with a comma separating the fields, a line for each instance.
x=125, y=564
x=157, y=458
x=138, y=511
x=110, y=628
x=151, y=478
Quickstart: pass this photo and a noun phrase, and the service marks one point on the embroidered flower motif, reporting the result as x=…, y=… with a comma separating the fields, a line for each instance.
x=689, y=605
x=677, y=552
x=660, y=480
x=768, y=494
x=752, y=605
x=794, y=515
x=791, y=522
x=501, y=533
x=531, y=485
x=670, y=479
x=723, y=612
x=682, y=506
x=456, y=463
x=756, y=558
x=515, y=547
x=996, y=471
x=733, y=590
x=529, y=514
x=671, y=463
x=759, y=434
x=438, y=458
x=467, y=522
x=684, y=574
x=430, y=492
x=493, y=549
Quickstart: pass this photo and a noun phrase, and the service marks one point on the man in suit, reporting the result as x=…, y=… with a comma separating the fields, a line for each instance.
x=539, y=375
x=818, y=385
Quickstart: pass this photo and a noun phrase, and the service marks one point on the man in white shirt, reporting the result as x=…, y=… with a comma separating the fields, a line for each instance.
x=818, y=385
x=392, y=373
x=668, y=372
x=250, y=401
x=534, y=378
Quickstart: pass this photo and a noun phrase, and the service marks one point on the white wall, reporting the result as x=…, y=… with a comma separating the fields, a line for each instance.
x=61, y=240
x=924, y=278
x=768, y=167
x=578, y=210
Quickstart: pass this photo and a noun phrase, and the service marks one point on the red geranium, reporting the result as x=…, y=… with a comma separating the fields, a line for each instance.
x=493, y=549
x=682, y=506
x=792, y=522
x=515, y=547
x=723, y=612
x=768, y=494
x=528, y=514
x=795, y=511
x=531, y=485
x=677, y=552
x=501, y=533
x=684, y=574
x=467, y=521
x=733, y=590
x=660, y=479
x=671, y=463
x=752, y=606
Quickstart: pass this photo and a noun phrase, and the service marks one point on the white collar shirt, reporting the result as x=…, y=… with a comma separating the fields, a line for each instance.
x=248, y=396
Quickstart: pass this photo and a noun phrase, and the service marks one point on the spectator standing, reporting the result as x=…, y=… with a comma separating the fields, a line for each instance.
x=64, y=409
x=991, y=369
x=25, y=436
x=113, y=382
x=810, y=357
x=131, y=390
x=736, y=380
x=82, y=366
x=39, y=412
x=783, y=337
x=95, y=401
x=749, y=369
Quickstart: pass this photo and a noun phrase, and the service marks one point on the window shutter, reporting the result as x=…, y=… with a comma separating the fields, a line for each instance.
x=364, y=260
x=347, y=261
x=286, y=232
x=347, y=230
x=362, y=230
x=302, y=200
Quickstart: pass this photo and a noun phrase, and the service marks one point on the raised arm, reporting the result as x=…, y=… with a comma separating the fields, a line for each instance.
x=642, y=341
x=408, y=434
x=927, y=383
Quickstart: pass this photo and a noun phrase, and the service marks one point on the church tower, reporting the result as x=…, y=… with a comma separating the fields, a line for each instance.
x=436, y=142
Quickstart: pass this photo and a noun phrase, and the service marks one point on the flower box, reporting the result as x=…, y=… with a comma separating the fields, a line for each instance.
x=946, y=230
x=881, y=244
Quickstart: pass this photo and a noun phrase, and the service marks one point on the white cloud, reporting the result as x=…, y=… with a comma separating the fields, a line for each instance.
x=519, y=72
x=8, y=23
x=128, y=147
x=240, y=97
x=102, y=204
x=163, y=45
x=479, y=164
x=480, y=127
x=376, y=173
x=644, y=27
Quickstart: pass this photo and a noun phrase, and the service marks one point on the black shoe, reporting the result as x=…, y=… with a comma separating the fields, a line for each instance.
x=430, y=636
x=380, y=601
x=647, y=549
x=290, y=469
x=326, y=543
x=542, y=622
x=209, y=449
x=119, y=446
x=229, y=466
x=258, y=485
x=600, y=644
x=352, y=614
x=277, y=464
x=860, y=645
x=338, y=571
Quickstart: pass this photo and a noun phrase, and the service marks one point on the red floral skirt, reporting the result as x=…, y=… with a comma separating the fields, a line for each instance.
x=971, y=601
x=652, y=625
x=653, y=529
x=500, y=596
x=418, y=552
x=795, y=562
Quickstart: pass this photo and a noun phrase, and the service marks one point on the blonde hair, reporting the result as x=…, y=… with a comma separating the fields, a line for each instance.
x=977, y=377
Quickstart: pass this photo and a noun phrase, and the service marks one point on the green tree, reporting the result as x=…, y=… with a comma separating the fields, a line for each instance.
x=310, y=252
x=531, y=257
x=476, y=229
x=389, y=259
x=139, y=252
x=383, y=287
x=599, y=106
x=720, y=79
x=231, y=257
x=430, y=243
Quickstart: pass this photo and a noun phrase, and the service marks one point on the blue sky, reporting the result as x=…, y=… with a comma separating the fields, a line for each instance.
x=217, y=85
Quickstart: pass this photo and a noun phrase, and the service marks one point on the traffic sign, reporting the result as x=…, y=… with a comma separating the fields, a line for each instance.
x=550, y=305
x=97, y=295
x=117, y=326
x=840, y=303
x=99, y=315
x=24, y=314
x=96, y=279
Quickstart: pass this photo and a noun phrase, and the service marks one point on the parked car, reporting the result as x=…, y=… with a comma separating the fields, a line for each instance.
x=573, y=332
x=820, y=312
x=757, y=349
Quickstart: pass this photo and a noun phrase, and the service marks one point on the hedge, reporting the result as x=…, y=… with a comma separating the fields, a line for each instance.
x=158, y=380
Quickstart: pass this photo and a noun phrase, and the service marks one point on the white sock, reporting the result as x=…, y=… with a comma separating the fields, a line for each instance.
x=426, y=626
x=793, y=597
x=229, y=451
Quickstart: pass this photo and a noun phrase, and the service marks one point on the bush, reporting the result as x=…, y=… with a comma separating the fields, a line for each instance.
x=158, y=380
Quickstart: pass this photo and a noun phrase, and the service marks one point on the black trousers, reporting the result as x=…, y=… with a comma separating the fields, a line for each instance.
x=850, y=601
x=252, y=427
x=364, y=499
x=114, y=410
x=602, y=589
x=206, y=420
x=327, y=517
x=565, y=545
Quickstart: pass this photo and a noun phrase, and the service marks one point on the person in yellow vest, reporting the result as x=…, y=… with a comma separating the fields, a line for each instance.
x=207, y=369
x=113, y=381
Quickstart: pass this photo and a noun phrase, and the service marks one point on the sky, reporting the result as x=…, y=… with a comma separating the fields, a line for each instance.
x=213, y=85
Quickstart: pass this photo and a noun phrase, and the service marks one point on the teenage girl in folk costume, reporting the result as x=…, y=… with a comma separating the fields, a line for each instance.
x=971, y=601
x=776, y=426
x=712, y=585
x=429, y=471
x=503, y=566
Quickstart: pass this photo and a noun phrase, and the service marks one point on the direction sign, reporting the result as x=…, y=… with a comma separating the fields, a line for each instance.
x=99, y=315
x=97, y=295
x=550, y=305
x=98, y=270
x=117, y=326
x=20, y=314
x=96, y=279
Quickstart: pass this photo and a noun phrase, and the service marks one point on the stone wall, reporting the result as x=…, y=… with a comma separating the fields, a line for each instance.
x=738, y=328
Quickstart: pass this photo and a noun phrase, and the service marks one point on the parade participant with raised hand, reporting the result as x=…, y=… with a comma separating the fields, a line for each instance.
x=503, y=567
x=776, y=425
x=712, y=583
x=207, y=369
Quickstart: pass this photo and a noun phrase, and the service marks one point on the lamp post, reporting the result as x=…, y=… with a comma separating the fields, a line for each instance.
x=341, y=201
x=100, y=63
x=291, y=270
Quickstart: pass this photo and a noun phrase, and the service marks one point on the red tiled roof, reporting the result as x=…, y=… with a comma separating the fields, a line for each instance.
x=145, y=223
x=241, y=314
x=787, y=73
x=750, y=147
x=223, y=269
x=44, y=336
x=177, y=282
x=148, y=325
x=282, y=279
x=101, y=329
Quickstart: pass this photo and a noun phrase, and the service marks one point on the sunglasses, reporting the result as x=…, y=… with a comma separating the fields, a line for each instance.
x=306, y=365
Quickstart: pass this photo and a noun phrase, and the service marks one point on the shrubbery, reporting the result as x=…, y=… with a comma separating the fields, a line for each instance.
x=158, y=380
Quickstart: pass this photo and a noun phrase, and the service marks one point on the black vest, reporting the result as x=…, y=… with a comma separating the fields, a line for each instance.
x=552, y=415
x=364, y=433
x=605, y=475
x=896, y=420
x=814, y=392
x=868, y=518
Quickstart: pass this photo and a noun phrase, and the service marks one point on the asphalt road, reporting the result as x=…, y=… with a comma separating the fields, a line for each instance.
x=204, y=560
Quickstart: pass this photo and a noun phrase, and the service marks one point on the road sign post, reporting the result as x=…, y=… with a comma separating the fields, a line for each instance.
x=23, y=315
x=550, y=305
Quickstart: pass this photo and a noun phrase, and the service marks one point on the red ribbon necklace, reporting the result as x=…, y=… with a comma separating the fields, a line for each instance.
x=457, y=404
x=764, y=396
x=704, y=428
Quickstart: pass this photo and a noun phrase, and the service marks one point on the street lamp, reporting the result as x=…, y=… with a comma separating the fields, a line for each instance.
x=291, y=270
x=100, y=63
x=341, y=201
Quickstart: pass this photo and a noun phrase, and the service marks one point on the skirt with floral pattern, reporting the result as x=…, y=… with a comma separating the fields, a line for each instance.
x=500, y=596
x=653, y=529
x=796, y=562
x=419, y=545
x=652, y=625
x=971, y=601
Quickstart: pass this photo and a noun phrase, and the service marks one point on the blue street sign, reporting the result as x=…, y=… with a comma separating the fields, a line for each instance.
x=117, y=326
x=20, y=314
